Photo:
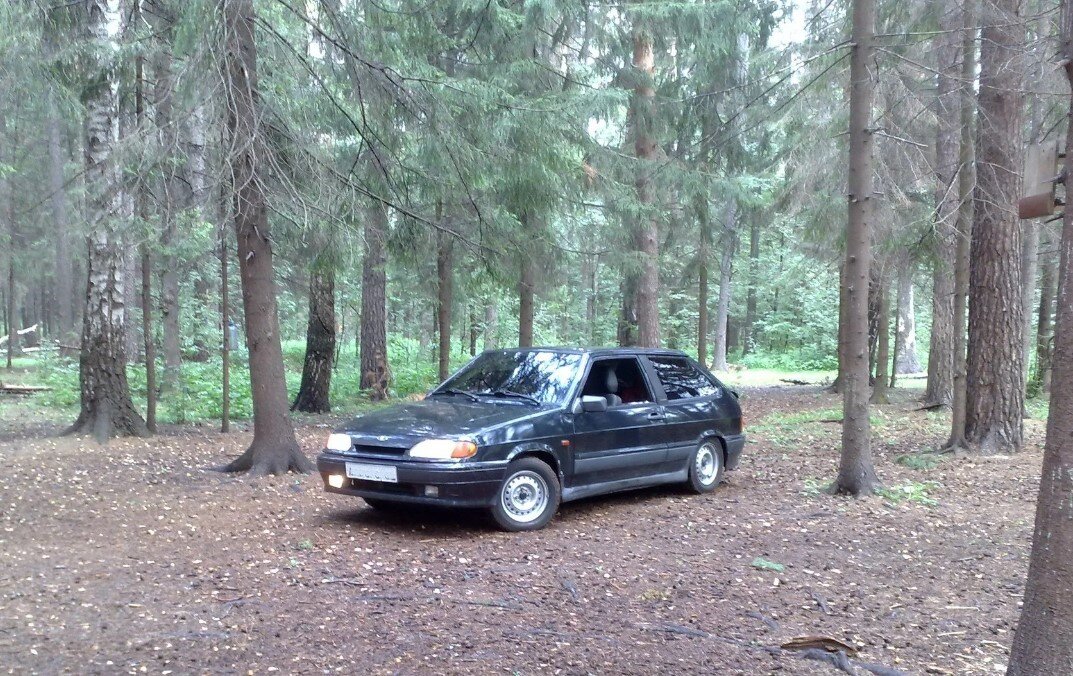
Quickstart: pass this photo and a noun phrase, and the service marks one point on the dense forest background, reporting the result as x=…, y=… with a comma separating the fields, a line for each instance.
x=444, y=178
x=238, y=208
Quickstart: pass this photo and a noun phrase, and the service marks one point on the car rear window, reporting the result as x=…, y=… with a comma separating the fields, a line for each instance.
x=681, y=379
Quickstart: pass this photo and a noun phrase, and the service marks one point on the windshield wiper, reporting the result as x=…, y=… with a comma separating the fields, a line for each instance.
x=516, y=395
x=454, y=390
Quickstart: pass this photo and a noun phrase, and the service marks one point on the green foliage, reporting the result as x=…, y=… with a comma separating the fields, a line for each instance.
x=919, y=461
x=912, y=491
x=797, y=359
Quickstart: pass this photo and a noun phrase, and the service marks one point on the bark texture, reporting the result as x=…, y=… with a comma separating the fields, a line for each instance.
x=966, y=209
x=996, y=375
x=274, y=449
x=940, y=388
x=879, y=391
x=1029, y=265
x=728, y=243
x=106, y=408
x=747, y=337
x=702, y=284
x=63, y=282
x=375, y=371
x=856, y=472
x=1048, y=289
x=526, y=287
x=175, y=195
x=444, y=300
x=491, y=326
x=641, y=309
x=905, y=357
x=314, y=393
x=1043, y=643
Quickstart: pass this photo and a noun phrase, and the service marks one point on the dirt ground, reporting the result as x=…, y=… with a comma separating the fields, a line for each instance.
x=137, y=557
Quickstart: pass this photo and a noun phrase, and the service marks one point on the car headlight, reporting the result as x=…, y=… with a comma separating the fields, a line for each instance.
x=443, y=449
x=339, y=442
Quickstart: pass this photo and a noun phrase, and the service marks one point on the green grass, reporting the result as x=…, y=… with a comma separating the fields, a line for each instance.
x=197, y=396
x=911, y=491
x=1039, y=406
x=919, y=461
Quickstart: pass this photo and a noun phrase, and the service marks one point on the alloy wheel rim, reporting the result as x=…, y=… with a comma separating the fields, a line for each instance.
x=524, y=496
x=706, y=464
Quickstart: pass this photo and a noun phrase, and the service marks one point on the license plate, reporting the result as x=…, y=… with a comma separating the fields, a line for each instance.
x=386, y=473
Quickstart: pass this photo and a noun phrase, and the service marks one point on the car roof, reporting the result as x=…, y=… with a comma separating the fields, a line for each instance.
x=600, y=351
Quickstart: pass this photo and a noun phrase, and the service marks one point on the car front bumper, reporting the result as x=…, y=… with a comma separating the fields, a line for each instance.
x=455, y=484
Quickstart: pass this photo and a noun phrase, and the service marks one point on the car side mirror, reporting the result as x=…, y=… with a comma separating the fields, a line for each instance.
x=592, y=404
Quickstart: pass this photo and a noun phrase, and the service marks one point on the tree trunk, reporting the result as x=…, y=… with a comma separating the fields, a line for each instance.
x=1048, y=288
x=63, y=284
x=996, y=376
x=7, y=212
x=175, y=189
x=905, y=357
x=491, y=326
x=147, y=337
x=1043, y=643
x=314, y=393
x=106, y=407
x=225, y=319
x=1029, y=256
x=473, y=330
x=940, y=388
x=879, y=391
x=728, y=243
x=274, y=449
x=643, y=308
x=747, y=338
x=840, y=349
x=142, y=208
x=702, y=287
x=856, y=473
x=966, y=185
x=526, y=284
x=375, y=371
x=444, y=299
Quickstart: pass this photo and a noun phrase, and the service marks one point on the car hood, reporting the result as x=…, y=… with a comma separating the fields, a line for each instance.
x=404, y=425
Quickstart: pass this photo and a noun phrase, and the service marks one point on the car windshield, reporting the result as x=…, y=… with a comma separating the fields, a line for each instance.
x=517, y=376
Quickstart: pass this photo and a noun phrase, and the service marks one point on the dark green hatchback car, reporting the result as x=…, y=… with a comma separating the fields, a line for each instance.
x=519, y=431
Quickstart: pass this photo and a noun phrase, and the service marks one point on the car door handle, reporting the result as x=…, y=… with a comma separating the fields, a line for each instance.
x=656, y=415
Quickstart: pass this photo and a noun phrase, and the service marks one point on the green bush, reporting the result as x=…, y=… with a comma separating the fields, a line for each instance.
x=798, y=359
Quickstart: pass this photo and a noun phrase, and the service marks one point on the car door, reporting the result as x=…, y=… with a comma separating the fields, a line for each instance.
x=624, y=442
x=692, y=406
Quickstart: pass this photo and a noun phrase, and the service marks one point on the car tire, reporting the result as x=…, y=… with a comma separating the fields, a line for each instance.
x=380, y=505
x=706, y=466
x=528, y=497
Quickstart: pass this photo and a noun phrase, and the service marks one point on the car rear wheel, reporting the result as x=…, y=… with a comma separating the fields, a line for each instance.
x=706, y=466
x=528, y=497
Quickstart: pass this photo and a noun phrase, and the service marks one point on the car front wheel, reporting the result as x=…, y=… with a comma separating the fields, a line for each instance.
x=706, y=466
x=528, y=497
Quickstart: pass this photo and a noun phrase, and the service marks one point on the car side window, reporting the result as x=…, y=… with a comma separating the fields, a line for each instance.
x=681, y=379
x=620, y=381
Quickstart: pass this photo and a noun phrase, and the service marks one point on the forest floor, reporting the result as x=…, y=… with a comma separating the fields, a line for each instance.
x=137, y=557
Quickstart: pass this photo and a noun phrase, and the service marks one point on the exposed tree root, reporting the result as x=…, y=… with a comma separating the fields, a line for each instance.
x=261, y=459
x=103, y=424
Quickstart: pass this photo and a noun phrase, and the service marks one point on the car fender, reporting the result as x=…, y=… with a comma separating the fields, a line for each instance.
x=540, y=450
x=707, y=435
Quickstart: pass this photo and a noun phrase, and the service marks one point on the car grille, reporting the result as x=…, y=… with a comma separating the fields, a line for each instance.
x=365, y=449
